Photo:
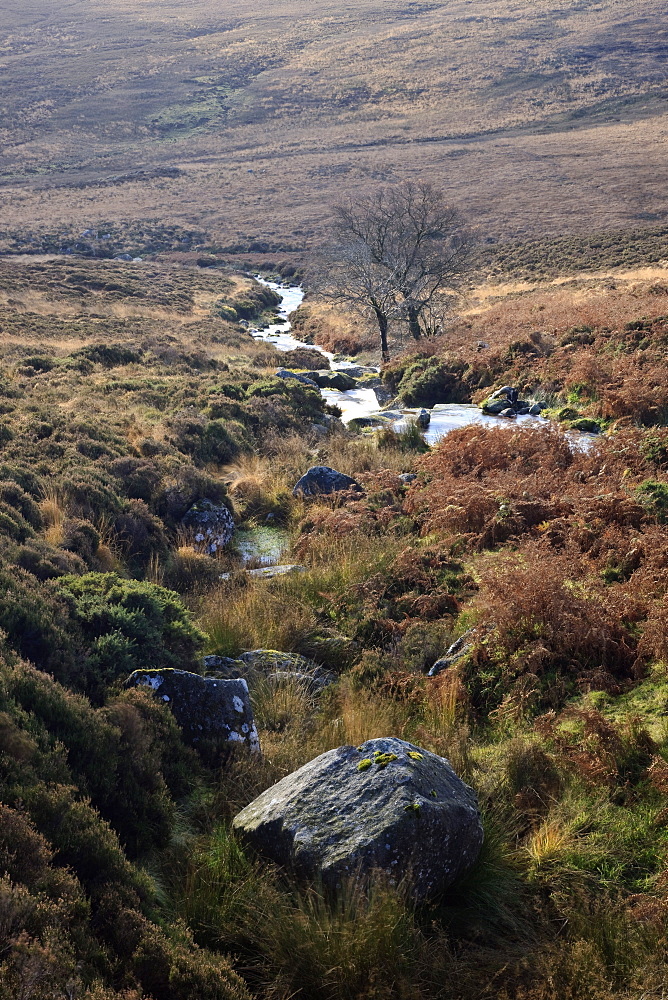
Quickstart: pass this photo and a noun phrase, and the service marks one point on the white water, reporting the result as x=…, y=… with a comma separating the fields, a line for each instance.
x=445, y=417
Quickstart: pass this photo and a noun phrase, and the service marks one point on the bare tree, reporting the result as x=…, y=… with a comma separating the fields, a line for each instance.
x=393, y=255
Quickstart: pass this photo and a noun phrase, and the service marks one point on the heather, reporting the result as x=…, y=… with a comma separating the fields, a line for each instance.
x=122, y=879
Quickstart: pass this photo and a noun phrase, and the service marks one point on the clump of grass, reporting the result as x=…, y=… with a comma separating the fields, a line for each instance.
x=54, y=514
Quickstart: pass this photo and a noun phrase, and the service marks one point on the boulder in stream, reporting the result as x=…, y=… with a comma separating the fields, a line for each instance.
x=340, y=381
x=304, y=379
x=257, y=664
x=385, y=805
x=321, y=480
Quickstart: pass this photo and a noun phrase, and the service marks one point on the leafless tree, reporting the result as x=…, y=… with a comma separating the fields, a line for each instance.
x=394, y=253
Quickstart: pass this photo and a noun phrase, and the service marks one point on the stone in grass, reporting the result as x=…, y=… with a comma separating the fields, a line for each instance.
x=385, y=805
x=208, y=710
x=210, y=526
x=320, y=479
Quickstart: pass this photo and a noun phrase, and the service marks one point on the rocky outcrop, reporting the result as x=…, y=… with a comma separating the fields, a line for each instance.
x=209, y=525
x=210, y=711
x=385, y=805
x=320, y=480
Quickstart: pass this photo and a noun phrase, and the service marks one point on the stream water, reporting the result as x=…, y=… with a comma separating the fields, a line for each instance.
x=445, y=417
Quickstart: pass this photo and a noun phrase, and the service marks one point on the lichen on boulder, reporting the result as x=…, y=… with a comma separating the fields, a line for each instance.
x=385, y=805
x=210, y=711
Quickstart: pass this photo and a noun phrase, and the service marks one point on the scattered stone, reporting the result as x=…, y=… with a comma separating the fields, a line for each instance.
x=210, y=525
x=207, y=709
x=269, y=572
x=375, y=420
x=455, y=652
x=385, y=805
x=304, y=379
x=508, y=412
x=263, y=663
x=496, y=407
x=536, y=409
x=320, y=479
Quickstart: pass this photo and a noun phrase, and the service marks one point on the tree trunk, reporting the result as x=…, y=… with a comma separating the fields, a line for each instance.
x=414, y=322
x=382, y=326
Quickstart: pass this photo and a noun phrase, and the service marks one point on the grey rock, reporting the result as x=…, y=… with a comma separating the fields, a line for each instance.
x=455, y=652
x=358, y=371
x=496, y=407
x=386, y=805
x=284, y=373
x=263, y=663
x=384, y=395
x=408, y=477
x=508, y=412
x=209, y=525
x=207, y=709
x=423, y=419
x=501, y=393
x=392, y=414
x=269, y=572
x=536, y=409
x=217, y=662
x=359, y=423
x=320, y=479
x=341, y=381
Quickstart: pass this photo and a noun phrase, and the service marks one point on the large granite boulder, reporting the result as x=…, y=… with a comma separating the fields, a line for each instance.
x=386, y=805
x=320, y=479
x=209, y=525
x=209, y=711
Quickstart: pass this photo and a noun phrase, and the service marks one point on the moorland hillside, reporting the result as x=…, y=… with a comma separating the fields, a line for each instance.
x=541, y=118
x=131, y=390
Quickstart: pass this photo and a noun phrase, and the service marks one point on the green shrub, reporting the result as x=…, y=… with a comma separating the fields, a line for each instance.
x=654, y=497
x=128, y=624
x=427, y=381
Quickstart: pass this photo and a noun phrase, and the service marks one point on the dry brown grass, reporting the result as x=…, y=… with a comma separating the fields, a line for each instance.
x=541, y=117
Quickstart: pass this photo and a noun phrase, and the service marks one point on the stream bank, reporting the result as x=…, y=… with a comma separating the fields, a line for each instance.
x=362, y=403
